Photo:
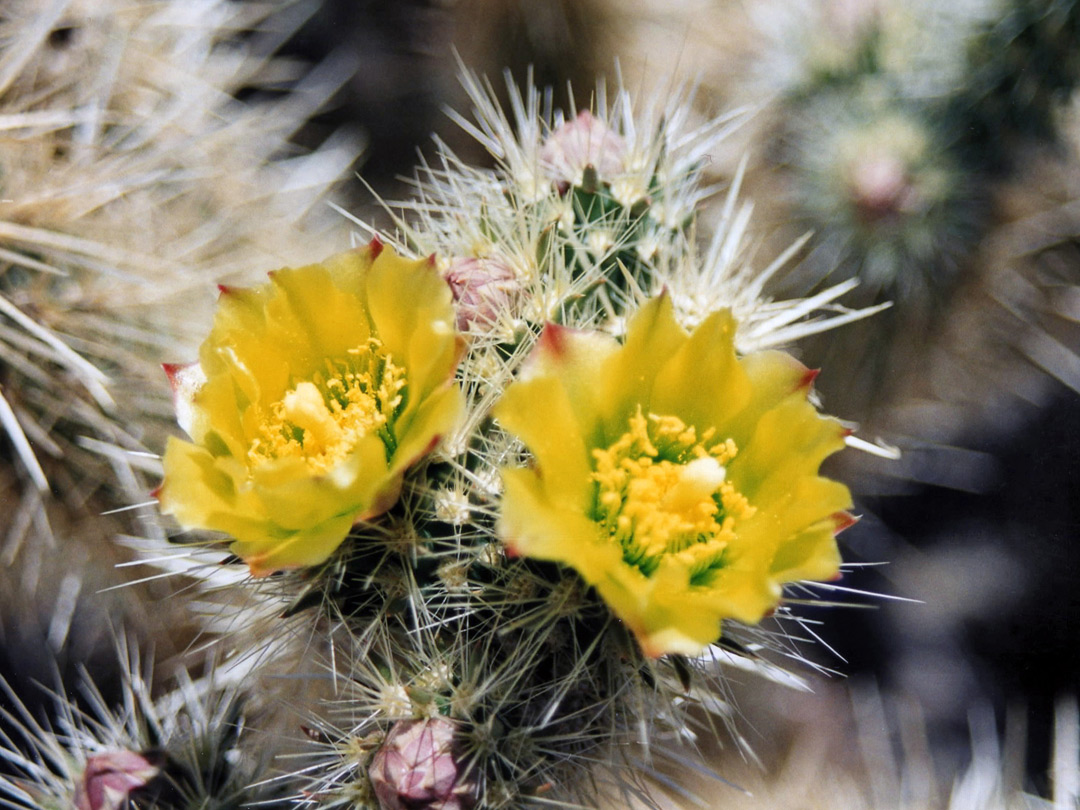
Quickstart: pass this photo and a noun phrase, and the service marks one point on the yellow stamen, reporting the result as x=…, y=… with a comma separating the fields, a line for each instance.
x=321, y=420
x=661, y=489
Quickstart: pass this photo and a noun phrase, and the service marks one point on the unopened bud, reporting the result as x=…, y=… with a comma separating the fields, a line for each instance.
x=584, y=141
x=881, y=188
x=852, y=20
x=482, y=288
x=417, y=768
x=108, y=779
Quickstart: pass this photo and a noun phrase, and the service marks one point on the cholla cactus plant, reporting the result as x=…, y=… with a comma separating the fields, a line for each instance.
x=533, y=457
x=895, y=120
x=519, y=482
x=141, y=137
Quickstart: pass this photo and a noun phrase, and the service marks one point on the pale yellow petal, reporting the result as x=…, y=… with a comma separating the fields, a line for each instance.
x=533, y=527
x=788, y=443
x=311, y=546
x=703, y=382
x=435, y=417
x=540, y=412
x=313, y=319
x=421, y=335
x=629, y=377
x=199, y=492
x=811, y=554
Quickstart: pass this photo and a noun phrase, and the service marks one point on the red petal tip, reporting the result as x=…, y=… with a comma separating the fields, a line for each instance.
x=431, y=260
x=808, y=378
x=652, y=652
x=173, y=372
x=375, y=246
x=845, y=432
x=843, y=520
x=553, y=339
x=155, y=493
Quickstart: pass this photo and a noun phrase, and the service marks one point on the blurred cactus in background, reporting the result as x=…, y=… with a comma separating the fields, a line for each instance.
x=130, y=175
x=900, y=132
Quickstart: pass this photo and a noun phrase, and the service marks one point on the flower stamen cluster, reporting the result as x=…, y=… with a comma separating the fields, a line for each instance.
x=660, y=490
x=322, y=419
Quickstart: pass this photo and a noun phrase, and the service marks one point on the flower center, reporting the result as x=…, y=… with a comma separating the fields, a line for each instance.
x=321, y=420
x=660, y=490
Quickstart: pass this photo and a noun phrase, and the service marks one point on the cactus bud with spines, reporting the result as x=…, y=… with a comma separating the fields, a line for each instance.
x=108, y=779
x=185, y=749
x=417, y=768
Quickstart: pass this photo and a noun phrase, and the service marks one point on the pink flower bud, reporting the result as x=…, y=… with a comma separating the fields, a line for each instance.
x=482, y=288
x=109, y=778
x=416, y=768
x=850, y=21
x=881, y=188
x=584, y=141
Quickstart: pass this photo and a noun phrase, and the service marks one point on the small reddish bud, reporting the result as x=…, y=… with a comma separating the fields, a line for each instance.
x=417, y=768
x=881, y=188
x=482, y=288
x=108, y=779
x=575, y=145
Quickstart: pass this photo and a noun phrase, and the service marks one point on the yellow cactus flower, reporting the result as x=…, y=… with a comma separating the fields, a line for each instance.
x=678, y=479
x=312, y=396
